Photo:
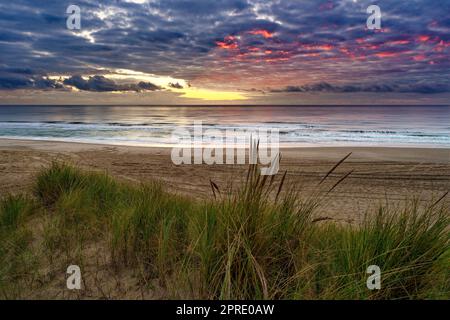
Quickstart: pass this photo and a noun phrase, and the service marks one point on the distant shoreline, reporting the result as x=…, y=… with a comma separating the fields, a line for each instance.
x=168, y=146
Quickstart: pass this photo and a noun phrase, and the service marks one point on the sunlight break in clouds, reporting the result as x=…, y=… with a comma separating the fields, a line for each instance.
x=205, y=94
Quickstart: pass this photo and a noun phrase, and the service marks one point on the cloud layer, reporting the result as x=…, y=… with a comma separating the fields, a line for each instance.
x=288, y=46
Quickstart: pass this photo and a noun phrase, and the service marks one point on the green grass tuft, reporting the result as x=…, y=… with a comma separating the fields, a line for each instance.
x=259, y=240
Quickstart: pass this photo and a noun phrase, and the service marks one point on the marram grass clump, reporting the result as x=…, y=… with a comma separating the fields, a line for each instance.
x=259, y=240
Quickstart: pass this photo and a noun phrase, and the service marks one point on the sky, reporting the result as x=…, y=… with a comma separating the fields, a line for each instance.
x=225, y=52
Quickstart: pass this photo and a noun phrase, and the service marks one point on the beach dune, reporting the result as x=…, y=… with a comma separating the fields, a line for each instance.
x=379, y=174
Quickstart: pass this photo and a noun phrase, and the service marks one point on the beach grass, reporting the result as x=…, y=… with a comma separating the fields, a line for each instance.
x=17, y=260
x=261, y=239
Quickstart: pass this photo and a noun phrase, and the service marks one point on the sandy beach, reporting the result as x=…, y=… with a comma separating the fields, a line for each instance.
x=379, y=174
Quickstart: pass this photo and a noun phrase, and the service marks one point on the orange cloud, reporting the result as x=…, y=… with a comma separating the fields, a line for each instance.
x=419, y=57
x=321, y=47
x=266, y=34
x=228, y=43
x=441, y=46
x=423, y=38
x=386, y=54
x=276, y=59
x=225, y=45
x=397, y=42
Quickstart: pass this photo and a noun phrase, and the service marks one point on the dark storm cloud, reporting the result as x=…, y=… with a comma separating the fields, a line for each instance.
x=25, y=78
x=102, y=84
x=377, y=88
x=28, y=83
x=175, y=85
x=180, y=38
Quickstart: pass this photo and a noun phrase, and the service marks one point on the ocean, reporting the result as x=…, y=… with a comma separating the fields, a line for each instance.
x=399, y=126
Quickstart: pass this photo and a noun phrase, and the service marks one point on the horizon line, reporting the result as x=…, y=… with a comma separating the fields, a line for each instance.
x=231, y=105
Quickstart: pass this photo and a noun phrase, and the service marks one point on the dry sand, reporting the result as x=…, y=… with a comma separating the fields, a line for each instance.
x=379, y=173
